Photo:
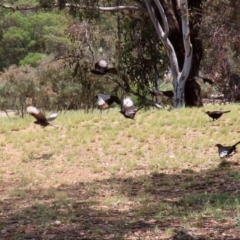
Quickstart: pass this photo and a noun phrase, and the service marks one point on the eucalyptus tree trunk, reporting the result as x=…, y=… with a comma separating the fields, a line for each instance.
x=174, y=14
x=192, y=88
x=160, y=21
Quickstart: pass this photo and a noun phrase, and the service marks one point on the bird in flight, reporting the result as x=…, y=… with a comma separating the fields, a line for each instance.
x=216, y=114
x=203, y=79
x=156, y=93
x=226, y=151
x=40, y=117
x=128, y=109
x=101, y=68
x=104, y=101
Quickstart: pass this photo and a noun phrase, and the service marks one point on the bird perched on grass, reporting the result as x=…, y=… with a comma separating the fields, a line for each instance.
x=216, y=114
x=226, y=151
x=156, y=93
x=104, y=101
x=41, y=119
x=101, y=68
x=128, y=109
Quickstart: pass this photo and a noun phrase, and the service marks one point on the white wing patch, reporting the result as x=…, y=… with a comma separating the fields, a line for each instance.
x=32, y=110
x=100, y=101
x=223, y=154
x=127, y=102
x=158, y=105
x=52, y=117
x=198, y=79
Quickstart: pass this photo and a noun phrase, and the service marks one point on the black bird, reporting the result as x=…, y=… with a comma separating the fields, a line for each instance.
x=216, y=114
x=41, y=119
x=101, y=68
x=128, y=109
x=104, y=101
x=156, y=93
x=203, y=79
x=226, y=151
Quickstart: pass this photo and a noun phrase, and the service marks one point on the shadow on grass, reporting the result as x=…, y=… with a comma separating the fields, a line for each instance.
x=44, y=156
x=141, y=207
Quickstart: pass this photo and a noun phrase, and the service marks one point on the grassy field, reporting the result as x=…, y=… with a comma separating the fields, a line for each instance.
x=101, y=176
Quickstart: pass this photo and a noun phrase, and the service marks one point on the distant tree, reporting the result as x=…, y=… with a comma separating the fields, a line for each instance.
x=32, y=59
x=220, y=31
x=30, y=35
x=16, y=84
x=176, y=27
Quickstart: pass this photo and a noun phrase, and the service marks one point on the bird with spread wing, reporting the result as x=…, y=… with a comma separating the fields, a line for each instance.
x=101, y=68
x=40, y=117
x=128, y=109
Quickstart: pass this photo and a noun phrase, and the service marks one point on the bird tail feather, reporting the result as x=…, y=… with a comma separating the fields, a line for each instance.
x=53, y=125
x=236, y=144
x=138, y=109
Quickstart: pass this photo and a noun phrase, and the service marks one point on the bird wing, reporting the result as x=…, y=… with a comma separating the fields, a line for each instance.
x=98, y=71
x=168, y=93
x=130, y=110
x=156, y=93
x=116, y=99
x=213, y=112
x=112, y=70
x=100, y=102
x=223, y=153
x=203, y=79
x=36, y=113
x=158, y=106
x=103, y=96
x=226, y=150
x=209, y=81
x=101, y=99
x=52, y=117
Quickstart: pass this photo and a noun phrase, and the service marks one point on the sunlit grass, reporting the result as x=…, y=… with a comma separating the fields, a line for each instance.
x=175, y=137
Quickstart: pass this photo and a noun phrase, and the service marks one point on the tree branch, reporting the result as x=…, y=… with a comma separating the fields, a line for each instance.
x=164, y=35
x=186, y=39
x=56, y=5
x=154, y=19
x=164, y=17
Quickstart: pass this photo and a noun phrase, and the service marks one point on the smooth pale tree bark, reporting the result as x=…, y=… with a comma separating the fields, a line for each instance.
x=179, y=78
x=179, y=48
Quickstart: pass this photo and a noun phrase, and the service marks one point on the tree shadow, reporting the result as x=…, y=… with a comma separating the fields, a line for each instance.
x=149, y=206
